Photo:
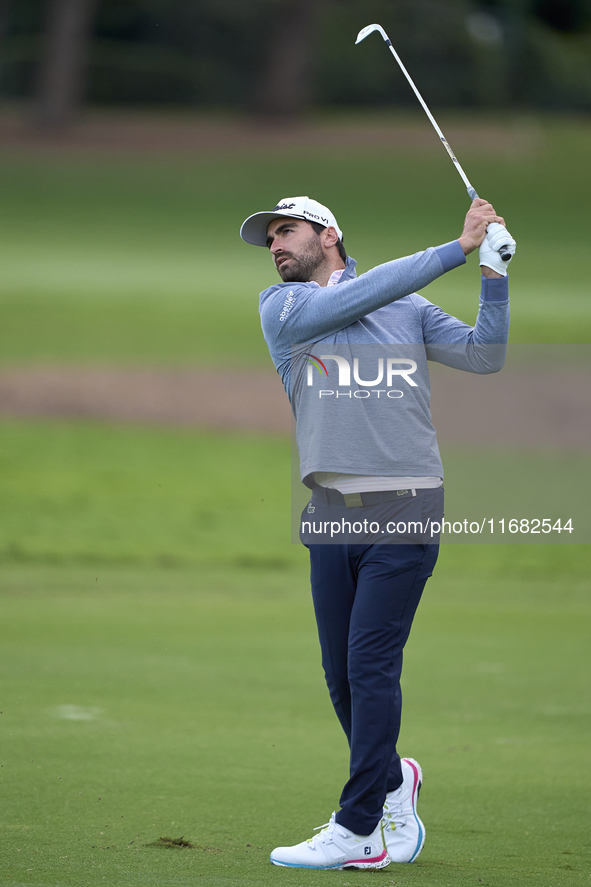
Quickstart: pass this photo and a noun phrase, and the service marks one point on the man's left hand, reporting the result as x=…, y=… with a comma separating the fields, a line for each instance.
x=480, y=214
x=497, y=237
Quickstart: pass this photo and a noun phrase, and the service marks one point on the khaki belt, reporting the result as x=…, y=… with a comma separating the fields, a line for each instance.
x=355, y=500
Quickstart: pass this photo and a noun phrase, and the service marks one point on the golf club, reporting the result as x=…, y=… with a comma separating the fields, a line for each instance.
x=369, y=29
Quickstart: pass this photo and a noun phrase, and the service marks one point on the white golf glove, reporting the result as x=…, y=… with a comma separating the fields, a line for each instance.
x=496, y=237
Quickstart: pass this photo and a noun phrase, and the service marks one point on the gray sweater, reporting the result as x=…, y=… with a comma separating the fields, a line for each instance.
x=353, y=361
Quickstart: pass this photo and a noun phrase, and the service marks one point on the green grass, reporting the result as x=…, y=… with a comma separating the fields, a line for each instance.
x=107, y=494
x=161, y=677
x=147, y=703
x=138, y=259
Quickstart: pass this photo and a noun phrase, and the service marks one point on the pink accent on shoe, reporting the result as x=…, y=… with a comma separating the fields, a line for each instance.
x=368, y=859
x=412, y=766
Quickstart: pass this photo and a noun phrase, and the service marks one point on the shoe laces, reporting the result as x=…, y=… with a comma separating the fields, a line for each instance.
x=397, y=808
x=324, y=831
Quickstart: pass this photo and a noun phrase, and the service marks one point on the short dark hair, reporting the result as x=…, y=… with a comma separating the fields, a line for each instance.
x=319, y=229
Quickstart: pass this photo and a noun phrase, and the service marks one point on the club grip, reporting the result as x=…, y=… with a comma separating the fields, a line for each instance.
x=504, y=250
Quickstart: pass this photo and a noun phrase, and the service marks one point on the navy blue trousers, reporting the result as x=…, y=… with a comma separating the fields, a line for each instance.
x=365, y=598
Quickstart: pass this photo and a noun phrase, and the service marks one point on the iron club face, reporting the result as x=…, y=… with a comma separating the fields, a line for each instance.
x=369, y=29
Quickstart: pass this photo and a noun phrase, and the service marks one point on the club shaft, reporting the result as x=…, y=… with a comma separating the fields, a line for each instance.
x=504, y=251
x=472, y=193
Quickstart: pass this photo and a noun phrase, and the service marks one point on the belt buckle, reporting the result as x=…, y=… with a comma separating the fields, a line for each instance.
x=352, y=500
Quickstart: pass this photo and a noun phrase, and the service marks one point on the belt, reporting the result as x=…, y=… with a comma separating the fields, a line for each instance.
x=354, y=500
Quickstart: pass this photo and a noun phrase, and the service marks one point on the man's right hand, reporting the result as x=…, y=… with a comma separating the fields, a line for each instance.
x=480, y=214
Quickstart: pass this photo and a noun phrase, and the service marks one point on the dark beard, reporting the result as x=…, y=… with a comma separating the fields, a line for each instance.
x=303, y=268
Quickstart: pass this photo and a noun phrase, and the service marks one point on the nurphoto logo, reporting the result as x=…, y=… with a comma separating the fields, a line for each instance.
x=389, y=370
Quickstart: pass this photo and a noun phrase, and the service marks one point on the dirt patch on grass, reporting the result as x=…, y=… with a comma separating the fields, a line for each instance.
x=172, y=843
x=131, y=131
x=548, y=408
x=181, y=844
x=252, y=400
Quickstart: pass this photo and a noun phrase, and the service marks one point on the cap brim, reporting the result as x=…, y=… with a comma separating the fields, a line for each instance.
x=254, y=228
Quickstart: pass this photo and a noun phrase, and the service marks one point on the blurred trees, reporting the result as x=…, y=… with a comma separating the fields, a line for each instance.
x=284, y=85
x=62, y=68
x=278, y=57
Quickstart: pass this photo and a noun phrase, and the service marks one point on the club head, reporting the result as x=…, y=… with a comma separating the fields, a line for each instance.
x=369, y=29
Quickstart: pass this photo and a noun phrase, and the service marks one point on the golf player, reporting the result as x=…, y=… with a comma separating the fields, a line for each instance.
x=352, y=354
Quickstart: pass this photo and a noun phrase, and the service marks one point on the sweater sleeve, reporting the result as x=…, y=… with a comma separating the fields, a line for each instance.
x=315, y=312
x=478, y=349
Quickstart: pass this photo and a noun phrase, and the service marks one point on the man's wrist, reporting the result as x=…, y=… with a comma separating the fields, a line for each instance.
x=466, y=244
x=488, y=272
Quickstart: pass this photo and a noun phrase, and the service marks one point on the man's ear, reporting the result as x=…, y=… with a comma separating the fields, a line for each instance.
x=330, y=236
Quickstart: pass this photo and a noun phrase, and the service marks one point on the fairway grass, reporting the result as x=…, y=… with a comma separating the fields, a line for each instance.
x=100, y=493
x=161, y=677
x=141, y=704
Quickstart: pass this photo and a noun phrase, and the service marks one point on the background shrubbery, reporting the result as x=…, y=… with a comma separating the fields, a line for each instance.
x=279, y=57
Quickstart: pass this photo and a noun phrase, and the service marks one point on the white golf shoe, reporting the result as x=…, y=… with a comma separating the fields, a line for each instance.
x=335, y=847
x=404, y=833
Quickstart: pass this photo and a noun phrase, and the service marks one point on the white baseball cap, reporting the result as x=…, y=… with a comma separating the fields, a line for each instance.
x=254, y=229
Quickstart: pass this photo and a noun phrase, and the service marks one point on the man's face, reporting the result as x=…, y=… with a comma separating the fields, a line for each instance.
x=296, y=249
